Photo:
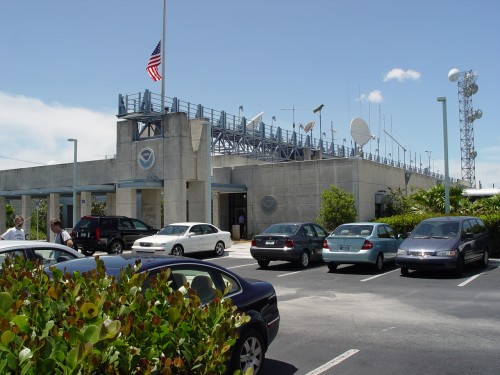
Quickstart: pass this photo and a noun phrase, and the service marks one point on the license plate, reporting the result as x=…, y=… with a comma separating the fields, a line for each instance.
x=345, y=247
x=83, y=235
x=269, y=242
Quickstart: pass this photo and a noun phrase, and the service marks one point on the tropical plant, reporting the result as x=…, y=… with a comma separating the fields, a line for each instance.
x=91, y=324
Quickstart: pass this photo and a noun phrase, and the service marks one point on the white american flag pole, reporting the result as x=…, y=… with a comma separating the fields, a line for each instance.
x=163, y=59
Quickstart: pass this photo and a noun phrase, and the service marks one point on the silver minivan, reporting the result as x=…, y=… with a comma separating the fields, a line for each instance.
x=445, y=243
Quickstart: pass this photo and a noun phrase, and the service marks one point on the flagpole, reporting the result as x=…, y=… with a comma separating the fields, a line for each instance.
x=163, y=59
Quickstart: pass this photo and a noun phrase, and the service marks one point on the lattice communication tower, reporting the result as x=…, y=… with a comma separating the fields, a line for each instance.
x=466, y=88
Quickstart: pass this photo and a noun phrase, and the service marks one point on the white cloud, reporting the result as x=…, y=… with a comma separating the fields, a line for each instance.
x=402, y=75
x=373, y=97
x=35, y=133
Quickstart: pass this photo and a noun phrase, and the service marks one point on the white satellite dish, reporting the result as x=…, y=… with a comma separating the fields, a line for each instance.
x=453, y=74
x=360, y=131
x=309, y=126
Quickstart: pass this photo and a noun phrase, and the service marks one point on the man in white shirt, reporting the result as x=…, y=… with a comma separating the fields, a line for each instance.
x=17, y=232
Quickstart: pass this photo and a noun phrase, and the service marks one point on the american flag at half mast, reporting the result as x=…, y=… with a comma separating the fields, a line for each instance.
x=153, y=63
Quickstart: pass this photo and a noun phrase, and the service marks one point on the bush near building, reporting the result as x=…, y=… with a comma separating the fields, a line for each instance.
x=91, y=324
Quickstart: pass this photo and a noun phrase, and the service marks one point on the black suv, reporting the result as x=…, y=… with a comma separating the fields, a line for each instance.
x=108, y=233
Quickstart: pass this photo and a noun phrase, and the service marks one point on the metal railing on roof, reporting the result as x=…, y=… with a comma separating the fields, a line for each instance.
x=234, y=135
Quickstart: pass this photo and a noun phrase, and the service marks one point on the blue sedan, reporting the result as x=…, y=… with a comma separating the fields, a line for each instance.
x=361, y=243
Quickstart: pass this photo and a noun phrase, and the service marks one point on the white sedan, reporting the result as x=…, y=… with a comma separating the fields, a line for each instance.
x=181, y=238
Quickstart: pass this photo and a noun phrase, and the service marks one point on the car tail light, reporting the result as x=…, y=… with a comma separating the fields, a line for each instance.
x=289, y=243
x=367, y=245
x=254, y=243
x=97, y=233
x=325, y=244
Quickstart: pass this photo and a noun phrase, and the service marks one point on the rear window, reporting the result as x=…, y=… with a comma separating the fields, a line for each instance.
x=353, y=230
x=282, y=228
x=87, y=223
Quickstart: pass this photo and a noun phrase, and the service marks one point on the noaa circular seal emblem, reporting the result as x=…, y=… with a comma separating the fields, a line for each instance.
x=146, y=158
x=268, y=203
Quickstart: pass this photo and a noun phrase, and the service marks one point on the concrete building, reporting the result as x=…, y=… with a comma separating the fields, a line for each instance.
x=169, y=160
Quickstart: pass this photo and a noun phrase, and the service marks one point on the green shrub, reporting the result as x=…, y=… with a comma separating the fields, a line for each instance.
x=337, y=207
x=93, y=324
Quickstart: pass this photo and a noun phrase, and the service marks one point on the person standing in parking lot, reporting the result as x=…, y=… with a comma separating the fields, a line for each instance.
x=17, y=232
x=62, y=236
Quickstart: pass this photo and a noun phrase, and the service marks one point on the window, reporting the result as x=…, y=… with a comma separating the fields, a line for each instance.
x=139, y=224
x=124, y=224
x=390, y=232
x=382, y=233
x=196, y=229
x=309, y=230
x=320, y=231
x=51, y=256
x=207, y=229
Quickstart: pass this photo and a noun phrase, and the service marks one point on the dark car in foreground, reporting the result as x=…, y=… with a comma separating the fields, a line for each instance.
x=47, y=253
x=299, y=243
x=112, y=234
x=445, y=243
x=361, y=243
x=256, y=298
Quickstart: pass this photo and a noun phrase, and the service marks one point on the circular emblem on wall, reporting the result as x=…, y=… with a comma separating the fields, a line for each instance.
x=268, y=203
x=146, y=158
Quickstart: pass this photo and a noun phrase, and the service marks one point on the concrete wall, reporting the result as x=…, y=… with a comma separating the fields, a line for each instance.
x=291, y=191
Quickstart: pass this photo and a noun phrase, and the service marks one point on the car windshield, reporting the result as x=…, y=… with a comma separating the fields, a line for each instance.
x=282, y=228
x=173, y=230
x=353, y=230
x=436, y=229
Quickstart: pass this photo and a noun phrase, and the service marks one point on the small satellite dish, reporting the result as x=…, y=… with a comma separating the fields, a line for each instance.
x=478, y=114
x=453, y=74
x=309, y=126
x=360, y=131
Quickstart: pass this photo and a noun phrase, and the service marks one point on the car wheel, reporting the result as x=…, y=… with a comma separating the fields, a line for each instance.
x=405, y=271
x=87, y=252
x=332, y=266
x=248, y=353
x=263, y=263
x=116, y=247
x=219, y=249
x=177, y=250
x=485, y=259
x=459, y=268
x=304, y=260
x=379, y=263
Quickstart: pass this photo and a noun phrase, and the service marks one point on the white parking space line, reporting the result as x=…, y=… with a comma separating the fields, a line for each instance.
x=380, y=274
x=288, y=274
x=242, y=265
x=470, y=279
x=333, y=362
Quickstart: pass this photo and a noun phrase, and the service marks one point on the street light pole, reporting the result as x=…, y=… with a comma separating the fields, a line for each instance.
x=442, y=99
x=75, y=162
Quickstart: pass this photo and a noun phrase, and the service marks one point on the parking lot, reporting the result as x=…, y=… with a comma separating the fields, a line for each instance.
x=357, y=321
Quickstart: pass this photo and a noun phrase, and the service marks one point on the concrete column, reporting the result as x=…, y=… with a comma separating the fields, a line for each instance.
x=111, y=204
x=215, y=210
x=174, y=201
x=151, y=207
x=53, y=207
x=85, y=204
x=126, y=202
x=3, y=213
x=197, y=208
x=26, y=209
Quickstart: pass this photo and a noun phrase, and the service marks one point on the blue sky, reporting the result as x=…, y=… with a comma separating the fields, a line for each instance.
x=63, y=64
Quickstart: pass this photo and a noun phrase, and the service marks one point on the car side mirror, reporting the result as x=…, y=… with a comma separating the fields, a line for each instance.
x=468, y=235
x=191, y=234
